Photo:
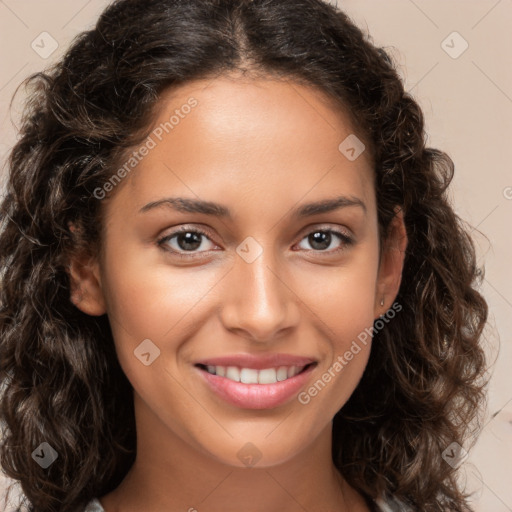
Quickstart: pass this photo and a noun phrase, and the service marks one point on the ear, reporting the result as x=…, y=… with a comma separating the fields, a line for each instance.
x=86, y=292
x=391, y=264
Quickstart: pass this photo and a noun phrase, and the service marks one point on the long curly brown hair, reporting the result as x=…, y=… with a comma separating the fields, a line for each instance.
x=61, y=383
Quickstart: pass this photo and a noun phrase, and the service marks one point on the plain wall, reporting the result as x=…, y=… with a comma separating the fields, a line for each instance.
x=467, y=102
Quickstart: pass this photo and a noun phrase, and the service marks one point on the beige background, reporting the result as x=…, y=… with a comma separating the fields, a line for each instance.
x=467, y=102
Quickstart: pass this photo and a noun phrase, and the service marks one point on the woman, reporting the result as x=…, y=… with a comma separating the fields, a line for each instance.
x=232, y=277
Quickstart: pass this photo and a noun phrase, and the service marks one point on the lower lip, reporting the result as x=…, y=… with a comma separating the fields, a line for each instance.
x=256, y=396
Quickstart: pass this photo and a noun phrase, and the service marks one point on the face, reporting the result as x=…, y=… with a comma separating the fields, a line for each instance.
x=243, y=272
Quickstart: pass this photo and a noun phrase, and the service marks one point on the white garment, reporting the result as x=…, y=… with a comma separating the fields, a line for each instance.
x=94, y=506
x=392, y=505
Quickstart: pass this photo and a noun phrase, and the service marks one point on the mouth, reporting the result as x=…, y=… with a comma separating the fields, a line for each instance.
x=255, y=388
x=254, y=376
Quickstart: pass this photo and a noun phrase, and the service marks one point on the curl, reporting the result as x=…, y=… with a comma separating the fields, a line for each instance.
x=60, y=379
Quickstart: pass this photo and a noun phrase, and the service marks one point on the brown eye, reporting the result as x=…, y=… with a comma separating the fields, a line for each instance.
x=189, y=241
x=185, y=240
x=323, y=239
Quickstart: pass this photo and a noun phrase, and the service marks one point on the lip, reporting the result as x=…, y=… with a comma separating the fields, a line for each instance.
x=256, y=362
x=256, y=396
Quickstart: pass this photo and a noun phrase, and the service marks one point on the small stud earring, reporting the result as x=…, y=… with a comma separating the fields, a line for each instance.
x=78, y=296
x=382, y=302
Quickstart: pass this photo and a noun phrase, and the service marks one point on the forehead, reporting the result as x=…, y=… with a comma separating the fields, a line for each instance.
x=265, y=138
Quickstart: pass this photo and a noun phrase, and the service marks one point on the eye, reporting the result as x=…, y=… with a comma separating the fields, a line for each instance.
x=185, y=240
x=195, y=241
x=322, y=239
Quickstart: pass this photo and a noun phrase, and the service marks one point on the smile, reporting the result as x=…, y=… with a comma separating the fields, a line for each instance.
x=251, y=388
x=252, y=376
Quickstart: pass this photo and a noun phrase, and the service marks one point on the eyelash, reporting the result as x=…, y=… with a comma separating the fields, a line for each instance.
x=344, y=238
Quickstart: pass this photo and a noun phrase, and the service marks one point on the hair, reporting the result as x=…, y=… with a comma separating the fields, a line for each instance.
x=61, y=383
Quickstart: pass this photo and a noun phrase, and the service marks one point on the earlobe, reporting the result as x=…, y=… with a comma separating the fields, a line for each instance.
x=391, y=265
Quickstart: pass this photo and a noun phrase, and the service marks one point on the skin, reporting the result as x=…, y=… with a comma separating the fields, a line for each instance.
x=294, y=298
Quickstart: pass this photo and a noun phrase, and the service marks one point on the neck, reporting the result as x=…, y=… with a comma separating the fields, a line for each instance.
x=171, y=474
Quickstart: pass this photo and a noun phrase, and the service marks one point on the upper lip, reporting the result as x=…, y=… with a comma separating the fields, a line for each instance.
x=257, y=362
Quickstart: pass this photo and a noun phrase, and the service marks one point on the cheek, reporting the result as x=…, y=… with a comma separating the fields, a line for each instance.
x=147, y=296
x=155, y=301
x=350, y=320
x=345, y=304
x=343, y=296
x=350, y=307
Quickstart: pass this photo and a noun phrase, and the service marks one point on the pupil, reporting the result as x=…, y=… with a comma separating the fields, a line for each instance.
x=320, y=237
x=189, y=243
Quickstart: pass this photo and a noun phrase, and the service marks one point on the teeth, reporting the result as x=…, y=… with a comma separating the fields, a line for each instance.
x=233, y=373
x=282, y=373
x=251, y=376
x=292, y=371
x=268, y=376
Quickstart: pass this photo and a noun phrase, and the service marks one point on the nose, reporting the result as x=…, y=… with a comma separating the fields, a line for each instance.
x=259, y=302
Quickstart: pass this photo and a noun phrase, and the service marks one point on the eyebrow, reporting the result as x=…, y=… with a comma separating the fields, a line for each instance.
x=190, y=205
